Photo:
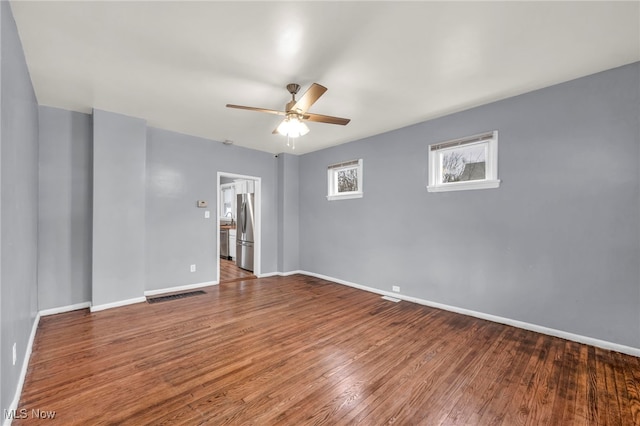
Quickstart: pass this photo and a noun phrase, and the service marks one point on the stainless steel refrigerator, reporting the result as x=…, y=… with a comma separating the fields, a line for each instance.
x=244, y=231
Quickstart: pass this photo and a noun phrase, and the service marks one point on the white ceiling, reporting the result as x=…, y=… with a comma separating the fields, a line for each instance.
x=386, y=64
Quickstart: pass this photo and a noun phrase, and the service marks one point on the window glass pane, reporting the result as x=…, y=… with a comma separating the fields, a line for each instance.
x=463, y=163
x=348, y=180
x=228, y=194
x=344, y=180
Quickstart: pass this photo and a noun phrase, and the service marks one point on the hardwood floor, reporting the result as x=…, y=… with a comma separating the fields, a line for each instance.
x=299, y=350
x=230, y=272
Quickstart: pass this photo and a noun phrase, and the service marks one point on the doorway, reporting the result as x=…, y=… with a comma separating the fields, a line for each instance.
x=229, y=185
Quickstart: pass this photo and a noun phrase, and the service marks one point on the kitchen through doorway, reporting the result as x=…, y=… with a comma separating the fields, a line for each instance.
x=238, y=227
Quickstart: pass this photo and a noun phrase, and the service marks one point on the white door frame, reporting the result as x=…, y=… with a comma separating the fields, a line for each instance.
x=257, y=244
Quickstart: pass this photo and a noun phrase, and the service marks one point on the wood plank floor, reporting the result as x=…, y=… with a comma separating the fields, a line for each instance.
x=299, y=351
x=230, y=272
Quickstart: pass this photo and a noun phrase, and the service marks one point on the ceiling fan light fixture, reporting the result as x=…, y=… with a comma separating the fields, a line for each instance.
x=292, y=127
x=295, y=112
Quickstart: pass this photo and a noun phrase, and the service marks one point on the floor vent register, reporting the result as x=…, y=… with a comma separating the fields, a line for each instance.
x=174, y=296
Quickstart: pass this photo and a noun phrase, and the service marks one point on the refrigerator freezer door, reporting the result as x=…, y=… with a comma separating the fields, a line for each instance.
x=244, y=255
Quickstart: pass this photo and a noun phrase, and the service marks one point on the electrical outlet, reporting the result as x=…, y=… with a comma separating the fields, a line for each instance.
x=396, y=288
x=193, y=268
x=15, y=354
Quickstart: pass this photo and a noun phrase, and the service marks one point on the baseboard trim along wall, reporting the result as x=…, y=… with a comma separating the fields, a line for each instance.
x=180, y=288
x=271, y=274
x=23, y=372
x=63, y=309
x=629, y=350
x=117, y=304
x=280, y=274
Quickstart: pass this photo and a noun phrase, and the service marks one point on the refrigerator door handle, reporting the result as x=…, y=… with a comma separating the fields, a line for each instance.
x=244, y=217
x=241, y=217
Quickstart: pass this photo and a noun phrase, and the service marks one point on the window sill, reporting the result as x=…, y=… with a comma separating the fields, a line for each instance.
x=344, y=196
x=463, y=186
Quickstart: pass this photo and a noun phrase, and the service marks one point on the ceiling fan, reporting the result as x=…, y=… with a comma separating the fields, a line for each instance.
x=295, y=112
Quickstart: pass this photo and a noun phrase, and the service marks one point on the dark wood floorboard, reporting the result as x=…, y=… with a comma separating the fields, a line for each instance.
x=299, y=350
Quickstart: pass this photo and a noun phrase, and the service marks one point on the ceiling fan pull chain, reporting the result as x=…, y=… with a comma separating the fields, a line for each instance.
x=291, y=142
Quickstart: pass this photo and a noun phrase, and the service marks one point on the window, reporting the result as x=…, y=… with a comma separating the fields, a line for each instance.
x=345, y=180
x=467, y=163
x=227, y=200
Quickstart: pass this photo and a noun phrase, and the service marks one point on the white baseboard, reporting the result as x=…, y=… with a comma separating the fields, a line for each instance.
x=269, y=274
x=63, y=309
x=23, y=371
x=117, y=304
x=97, y=308
x=629, y=350
x=286, y=274
x=280, y=274
x=179, y=288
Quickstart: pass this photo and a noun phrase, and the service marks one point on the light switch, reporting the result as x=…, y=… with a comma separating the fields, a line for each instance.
x=207, y=214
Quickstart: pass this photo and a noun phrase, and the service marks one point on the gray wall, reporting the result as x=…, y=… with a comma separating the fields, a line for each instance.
x=18, y=205
x=556, y=245
x=288, y=213
x=119, y=151
x=182, y=169
x=65, y=208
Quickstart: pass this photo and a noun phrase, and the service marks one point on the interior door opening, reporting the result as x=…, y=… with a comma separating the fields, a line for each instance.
x=238, y=227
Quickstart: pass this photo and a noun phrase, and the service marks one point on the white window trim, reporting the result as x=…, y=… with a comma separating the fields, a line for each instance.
x=491, y=164
x=332, y=182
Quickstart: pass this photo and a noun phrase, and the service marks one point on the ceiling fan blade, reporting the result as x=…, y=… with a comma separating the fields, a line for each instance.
x=270, y=111
x=309, y=98
x=326, y=119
